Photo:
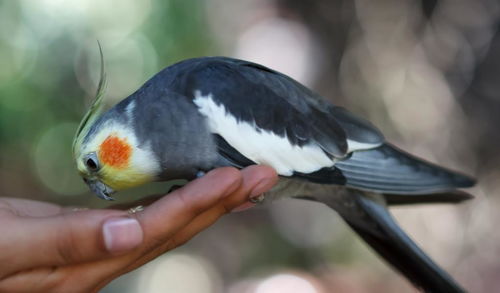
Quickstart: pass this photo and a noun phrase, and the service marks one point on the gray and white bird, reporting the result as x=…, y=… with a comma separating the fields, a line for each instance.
x=210, y=112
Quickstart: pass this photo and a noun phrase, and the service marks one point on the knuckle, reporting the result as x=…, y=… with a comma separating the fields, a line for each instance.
x=156, y=241
x=159, y=246
x=66, y=245
x=186, y=204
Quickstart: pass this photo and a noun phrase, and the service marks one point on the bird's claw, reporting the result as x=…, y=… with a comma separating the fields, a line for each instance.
x=257, y=199
x=136, y=209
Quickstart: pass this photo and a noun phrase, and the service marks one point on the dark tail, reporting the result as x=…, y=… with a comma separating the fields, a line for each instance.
x=389, y=170
x=371, y=220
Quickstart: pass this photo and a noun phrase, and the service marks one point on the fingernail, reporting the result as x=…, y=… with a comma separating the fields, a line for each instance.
x=121, y=234
x=263, y=186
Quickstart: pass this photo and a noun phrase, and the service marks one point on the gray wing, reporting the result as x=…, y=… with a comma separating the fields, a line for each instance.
x=276, y=103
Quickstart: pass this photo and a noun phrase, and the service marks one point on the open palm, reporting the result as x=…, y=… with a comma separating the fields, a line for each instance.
x=47, y=248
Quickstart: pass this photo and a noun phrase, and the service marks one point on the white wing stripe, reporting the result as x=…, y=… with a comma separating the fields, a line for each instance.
x=259, y=145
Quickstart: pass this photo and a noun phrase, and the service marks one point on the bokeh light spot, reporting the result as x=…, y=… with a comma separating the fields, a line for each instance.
x=286, y=283
x=178, y=273
x=53, y=159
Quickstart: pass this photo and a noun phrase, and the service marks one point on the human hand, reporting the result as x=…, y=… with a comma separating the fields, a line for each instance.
x=48, y=248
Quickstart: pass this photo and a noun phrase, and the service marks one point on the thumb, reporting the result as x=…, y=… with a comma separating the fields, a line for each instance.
x=72, y=238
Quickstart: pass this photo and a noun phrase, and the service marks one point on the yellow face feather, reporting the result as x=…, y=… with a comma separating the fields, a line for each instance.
x=117, y=171
x=120, y=179
x=120, y=162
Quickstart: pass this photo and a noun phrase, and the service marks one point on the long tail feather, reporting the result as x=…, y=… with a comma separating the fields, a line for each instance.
x=371, y=220
x=387, y=169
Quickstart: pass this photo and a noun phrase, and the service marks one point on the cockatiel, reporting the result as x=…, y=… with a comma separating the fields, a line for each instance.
x=210, y=112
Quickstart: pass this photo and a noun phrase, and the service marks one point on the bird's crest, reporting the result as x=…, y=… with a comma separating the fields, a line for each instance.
x=95, y=109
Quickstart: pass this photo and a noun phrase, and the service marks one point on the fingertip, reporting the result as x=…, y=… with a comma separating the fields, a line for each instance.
x=270, y=170
x=263, y=178
x=262, y=171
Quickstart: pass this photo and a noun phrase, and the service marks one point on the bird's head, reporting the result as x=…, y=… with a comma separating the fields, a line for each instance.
x=108, y=154
x=110, y=158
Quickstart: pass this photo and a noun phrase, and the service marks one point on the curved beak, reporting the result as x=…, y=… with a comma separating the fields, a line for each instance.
x=100, y=189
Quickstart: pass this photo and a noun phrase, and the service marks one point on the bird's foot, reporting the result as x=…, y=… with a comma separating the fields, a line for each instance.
x=136, y=209
x=258, y=199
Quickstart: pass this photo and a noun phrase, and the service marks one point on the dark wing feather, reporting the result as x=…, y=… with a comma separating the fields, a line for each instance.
x=273, y=101
x=389, y=170
x=357, y=129
x=234, y=158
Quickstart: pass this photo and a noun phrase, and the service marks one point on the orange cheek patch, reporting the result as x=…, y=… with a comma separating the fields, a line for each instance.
x=115, y=152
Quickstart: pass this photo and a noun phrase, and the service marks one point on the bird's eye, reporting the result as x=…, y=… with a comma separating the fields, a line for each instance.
x=91, y=162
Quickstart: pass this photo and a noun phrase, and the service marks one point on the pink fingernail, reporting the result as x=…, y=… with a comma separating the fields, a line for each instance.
x=261, y=187
x=121, y=234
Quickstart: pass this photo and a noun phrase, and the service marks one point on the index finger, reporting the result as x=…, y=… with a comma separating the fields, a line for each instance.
x=184, y=204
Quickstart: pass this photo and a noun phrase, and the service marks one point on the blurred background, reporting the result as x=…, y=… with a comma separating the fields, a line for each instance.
x=425, y=72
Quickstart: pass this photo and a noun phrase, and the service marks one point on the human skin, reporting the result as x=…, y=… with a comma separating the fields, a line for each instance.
x=48, y=248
